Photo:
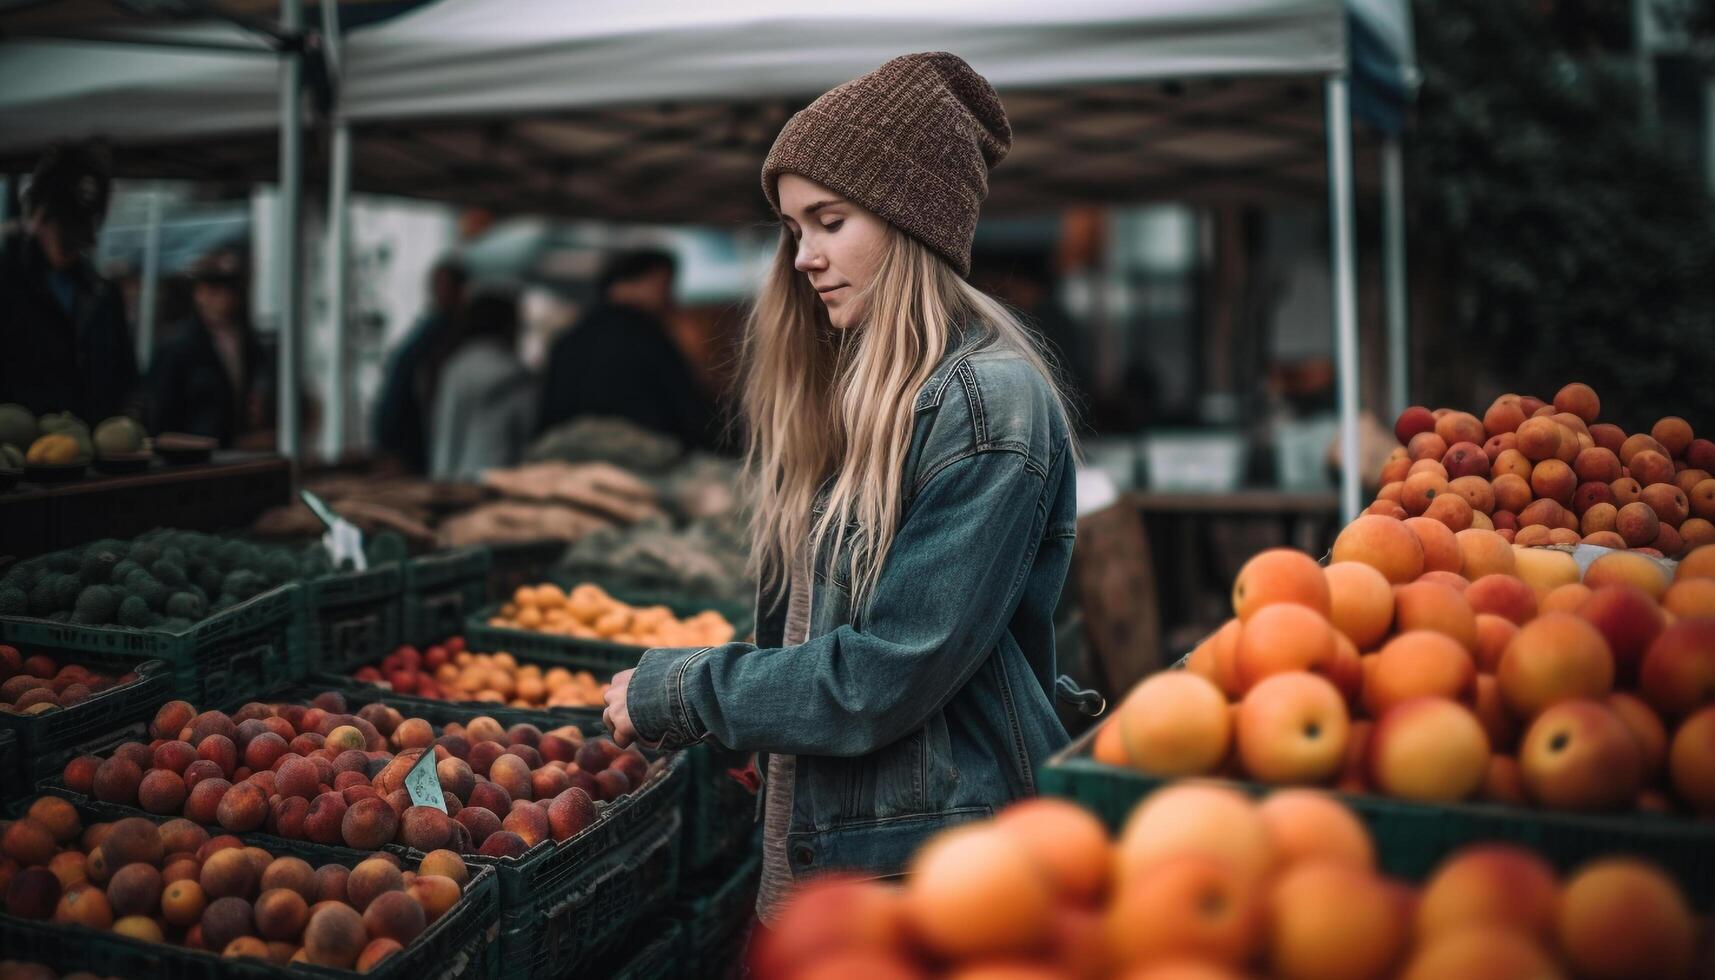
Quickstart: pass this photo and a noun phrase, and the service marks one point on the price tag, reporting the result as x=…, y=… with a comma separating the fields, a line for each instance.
x=424, y=784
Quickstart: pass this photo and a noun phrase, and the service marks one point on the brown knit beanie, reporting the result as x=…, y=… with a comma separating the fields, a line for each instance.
x=912, y=141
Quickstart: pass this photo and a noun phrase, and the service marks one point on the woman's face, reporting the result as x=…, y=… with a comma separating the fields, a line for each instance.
x=839, y=245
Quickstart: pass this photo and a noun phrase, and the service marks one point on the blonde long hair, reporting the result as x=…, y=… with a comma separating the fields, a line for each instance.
x=835, y=407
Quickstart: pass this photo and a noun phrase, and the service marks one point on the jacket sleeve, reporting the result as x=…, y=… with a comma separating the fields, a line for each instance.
x=949, y=587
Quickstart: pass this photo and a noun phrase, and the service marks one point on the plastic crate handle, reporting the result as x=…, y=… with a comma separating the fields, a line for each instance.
x=1087, y=702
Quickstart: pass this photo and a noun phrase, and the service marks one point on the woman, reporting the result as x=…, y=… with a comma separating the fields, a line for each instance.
x=483, y=397
x=913, y=486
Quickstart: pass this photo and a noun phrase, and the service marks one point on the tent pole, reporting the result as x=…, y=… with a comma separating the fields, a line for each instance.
x=1345, y=290
x=338, y=248
x=150, y=286
x=335, y=439
x=289, y=271
x=1393, y=255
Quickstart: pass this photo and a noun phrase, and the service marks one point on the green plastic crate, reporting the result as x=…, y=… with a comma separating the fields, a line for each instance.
x=1412, y=838
x=461, y=943
x=717, y=909
x=659, y=944
x=352, y=617
x=593, y=655
x=720, y=811
x=13, y=780
x=442, y=591
x=40, y=737
x=257, y=645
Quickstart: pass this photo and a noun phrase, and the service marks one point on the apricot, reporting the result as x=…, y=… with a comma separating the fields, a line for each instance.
x=1280, y=638
x=1361, y=599
x=1621, y=917
x=1186, y=905
x=1195, y=818
x=1384, y=544
x=1175, y=723
x=1625, y=568
x=1331, y=921
x=1307, y=824
x=1499, y=885
x=1579, y=755
x=949, y=895
x=1429, y=749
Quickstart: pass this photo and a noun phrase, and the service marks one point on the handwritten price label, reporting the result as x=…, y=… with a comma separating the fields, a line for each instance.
x=424, y=784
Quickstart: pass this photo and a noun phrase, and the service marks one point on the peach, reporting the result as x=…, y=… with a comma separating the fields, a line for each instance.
x=293, y=873
x=1291, y=728
x=1697, y=533
x=513, y=775
x=86, y=905
x=1600, y=517
x=1512, y=493
x=1484, y=553
x=1543, y=511
x=1478, y=492
x=1418, y=663
x=182, y=903
x=1649, y=466
x=1187, y=905
x=1621, y=917
x=324, y=822
x=1701, y=454
x=1440, y=548
x=1332, y=921
x=1688, y=479
x=1481, y=952
x=1307, y=824
x=134, y=889
x=573, y=810
x=1429, y=749
x=1436, y=607
x=1639, y=443
x=1493, y=635
x=1384, y=544
x=1605, y=539
x=1465, y=459
x=1385, y=508
x=1625, y=568
x=281, y=914
x=396, y=916
x=1510, y=462
x=1678, y=672
x=34, y=893
x=1609, y=436
x=530, y=822
x=436, y=895
x=224, y=920
x=425, y=828
x=1426, y=445
x=1579, y=399
x=1492, y=714
x=1589, y=495
x=1534, y=536
x=1283, y=637
x=130, y=840
x=1626, y=491
x=368, y=824
x=1701, y=499
x=1195, y=818
x=1691, y=598
x=1457, y=427
x=1175, y=724
x=1555, y=657
x=1504, y=415
x=1361, y=599
x=1667, y=541
x=1553, y=480
x=370, y=878
x=117, y=780
x=335, y=937
x=1412, y=421
x=1646, y=727
x=504, y=843
x=1579, y=755
x=1691, y=761
x=1698, y=564
x=1421, y=490
x=28, y=842
x=1628, y=619
x=1597, y=465
x=1498, y=444
x=228, y=872
x=1452, y=510
x=1500, y=885
x=171, y=718
x=491, y=796
x=1668, y=501
x=1279, y=575
x=949, y=895
x=1502, y=595
x=243, y=807
x=1539, y=438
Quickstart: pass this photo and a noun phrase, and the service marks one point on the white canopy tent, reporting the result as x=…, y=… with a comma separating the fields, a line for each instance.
x=661, y=110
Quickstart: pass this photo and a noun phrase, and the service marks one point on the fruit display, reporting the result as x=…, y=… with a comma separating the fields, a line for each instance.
x=1204, y=882
x=447, y=671
x=60, y=439
x=1544, y=473
x=38, y=684
x=173, y=882
x=589, y=613
x=1441, y=667
x=162, y=579
x=316, y=772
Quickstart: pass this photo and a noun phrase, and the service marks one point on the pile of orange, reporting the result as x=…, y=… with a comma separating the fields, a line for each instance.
x=589, y=613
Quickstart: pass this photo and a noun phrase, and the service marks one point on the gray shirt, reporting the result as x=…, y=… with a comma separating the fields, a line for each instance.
x=777, y=877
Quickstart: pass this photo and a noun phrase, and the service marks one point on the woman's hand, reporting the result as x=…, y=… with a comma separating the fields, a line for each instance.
x=617, y=717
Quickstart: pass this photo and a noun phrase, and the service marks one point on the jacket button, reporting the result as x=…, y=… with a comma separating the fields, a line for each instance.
x=804, y=855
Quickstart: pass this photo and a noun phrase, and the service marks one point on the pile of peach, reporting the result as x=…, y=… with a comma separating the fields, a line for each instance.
x=33, y=685
x=172, y=882
x=318, y=773
x=589, y=613
x=449, y=672
x=1549, y=473
x=1204, y=884
x=1439, y=667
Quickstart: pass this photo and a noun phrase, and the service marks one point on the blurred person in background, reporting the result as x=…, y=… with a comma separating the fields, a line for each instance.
x=911, y=470
x=402, y=412
x=483, y=397
x=618, y=359
x=213, y=378
x=64, y=344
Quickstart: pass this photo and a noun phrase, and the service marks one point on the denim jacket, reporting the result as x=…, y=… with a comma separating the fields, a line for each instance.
x=934, y=703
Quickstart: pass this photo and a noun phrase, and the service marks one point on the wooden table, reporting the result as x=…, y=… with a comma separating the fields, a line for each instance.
x=228, y=492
